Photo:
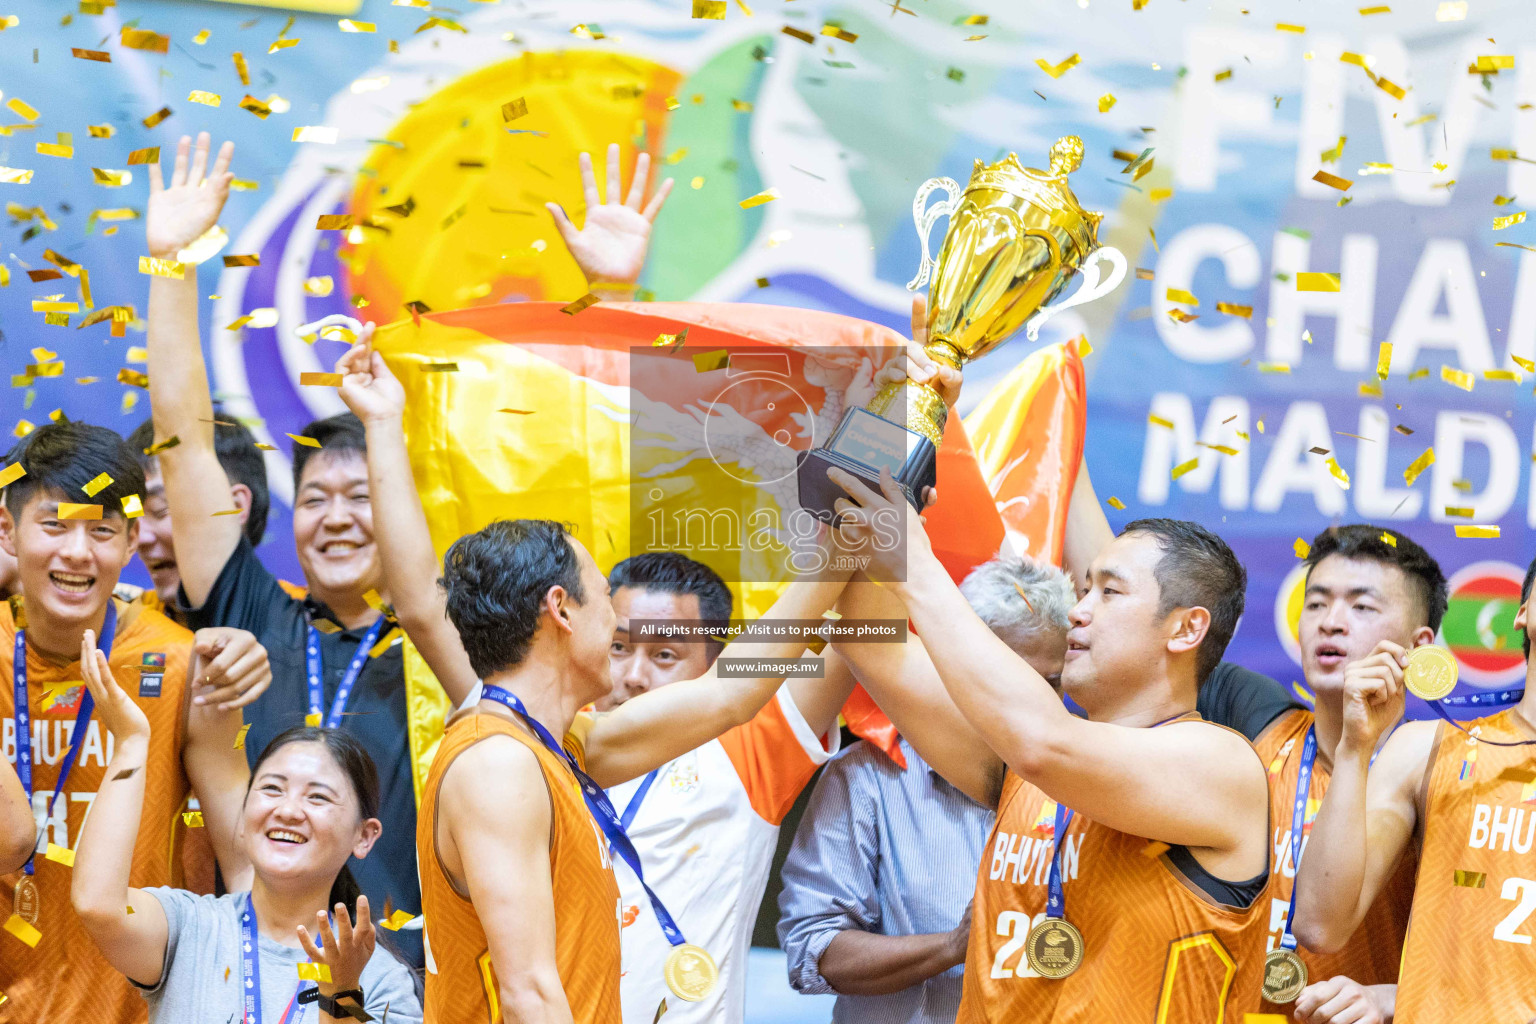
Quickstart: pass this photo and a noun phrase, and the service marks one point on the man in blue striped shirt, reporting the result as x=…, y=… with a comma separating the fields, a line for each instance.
x=877, y=886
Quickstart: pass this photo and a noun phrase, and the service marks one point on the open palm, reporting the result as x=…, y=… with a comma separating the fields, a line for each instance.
x=610, y=248
x=180, y=214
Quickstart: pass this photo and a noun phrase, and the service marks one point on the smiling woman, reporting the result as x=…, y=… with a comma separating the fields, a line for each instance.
x=311, y=806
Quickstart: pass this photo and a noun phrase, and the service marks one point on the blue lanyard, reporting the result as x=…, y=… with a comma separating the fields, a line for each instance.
x=1298, y=821
x=598, y=803
x=250, y=971
x=1056, y=900
x=316, y=671
x=24, y=716
x=633, y=807
x=1500, y=699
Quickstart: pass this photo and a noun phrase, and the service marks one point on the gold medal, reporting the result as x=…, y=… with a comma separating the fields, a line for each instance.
x=1054, y=948
x=1431, y=672
x=1284, y=976
x=691, y=972
x=26, y=903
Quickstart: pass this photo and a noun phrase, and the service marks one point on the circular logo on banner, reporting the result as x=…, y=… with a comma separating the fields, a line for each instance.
x=1479, y=625
x=1288, y=601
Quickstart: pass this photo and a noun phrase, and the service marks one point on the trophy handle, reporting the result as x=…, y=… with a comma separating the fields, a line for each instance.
x=926, y=217
x=1093, y=287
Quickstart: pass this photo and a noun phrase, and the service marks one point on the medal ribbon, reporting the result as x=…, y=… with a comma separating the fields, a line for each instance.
x=1298, y=822
x=24, y=716
x=250, y=971
x=633, y=807
x=1056, y=899
x=1500, y=699
x=316, y=671
x=598, y=803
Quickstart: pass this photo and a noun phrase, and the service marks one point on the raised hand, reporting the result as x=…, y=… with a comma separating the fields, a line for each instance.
x=1373, y=695
x=125, y=719
x=368, y=387
x=347, y=947
x=610, y=247
x=881, y=529
x=232, y=669
x=180, y=214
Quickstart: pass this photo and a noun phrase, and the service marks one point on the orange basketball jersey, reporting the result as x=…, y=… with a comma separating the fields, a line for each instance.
x=1157, y=949
x=461, y=981
x=1373, y=953
x=64, y=978
x=1470, y=955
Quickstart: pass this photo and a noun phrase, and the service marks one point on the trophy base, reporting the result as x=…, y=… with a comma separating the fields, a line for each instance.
x=861, y=446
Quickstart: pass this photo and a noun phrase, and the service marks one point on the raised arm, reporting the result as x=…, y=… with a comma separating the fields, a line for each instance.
x=1368, y=817
x=181, y=406
x=1088, y=530
x=18, y=828
x=219, y=774
x=495, y=819
x=902, y=680
x=653, y=728
x=1134, y=780
x=611, y=246
x=411, y=566
x=127, y=925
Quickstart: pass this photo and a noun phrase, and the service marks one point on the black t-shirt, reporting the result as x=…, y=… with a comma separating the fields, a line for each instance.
x=247, y=596
x=1239, y=699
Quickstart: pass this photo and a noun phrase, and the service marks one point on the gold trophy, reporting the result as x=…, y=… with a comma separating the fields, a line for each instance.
x=1016, y=236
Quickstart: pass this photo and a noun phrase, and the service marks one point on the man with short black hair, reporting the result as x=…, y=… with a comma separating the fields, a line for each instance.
x=663, y=585
x=246, y=469
x=1076, y=916
x=70, y=522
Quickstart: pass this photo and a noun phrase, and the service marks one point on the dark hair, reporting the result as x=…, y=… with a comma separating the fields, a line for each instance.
x=340, y=433
x=1364, y=542
x=496, y=579
x=1525, y=595
x=1197, y=570
x=236, y=449
x=668, y=572
x=61, y=458
x=354, y=762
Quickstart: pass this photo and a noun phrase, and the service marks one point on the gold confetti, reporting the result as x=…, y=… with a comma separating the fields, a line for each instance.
x=385, y=642
x=1380, y=9
x=337, y=222
x=1302, y=548
x=207, y=99
x=143, y=39
x=1478, y=532
x=348, y=25
x=1500, y=223
x=1317, y=282
x=74, y=510
x=18, y=927
x=14, y=176
x=712, y=10
x=241, y=68
x=1529, y=366
x=706, y=362
x=21, y=108
x=1457, y=378
x=1185, y=467
x=1492, y=64
x=1333, y=181
x=439, y=367
x=1057, y=70
x=743, y=106
x=1510, y=375
x=315, y=972
x=60, y=855
x=110, y=178
x=243, y=260
x=838, y=32
x=514, y=109
x=400, y=918
x=133, y=506
x=320, y=380
x=99, y=482
x=160, y=446
x=10, y=474
x=157, y=117
x=317, y=133
x=1384, y=359
x=193, y=819
x=1274, y=367
x=307, y=442
x=1281, y=26
x=1458, y=511
x=1391, y=88
x=1181, y=316
x=580, y=304
x=800, y=34
x=101, y=131
x=1451, y=10
x=1158, y=421
x=202, y=37
x=1157, y=195
x=161, y=268
x=1115, y=503
x=240, y=736
x=97, y=55
x=1419, y=465
x=1233, y=309
x=1223, y=75
x=1180, y=295
x=767, y=196
x=255, y=106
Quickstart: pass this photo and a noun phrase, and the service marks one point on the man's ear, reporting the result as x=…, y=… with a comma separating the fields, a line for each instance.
x=8, y=532
x=1189, y=628
x=1424, y=635
x=240, y=494
x=558, y=603
x=133, y=543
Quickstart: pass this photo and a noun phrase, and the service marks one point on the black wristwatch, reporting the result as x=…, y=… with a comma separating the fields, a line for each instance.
x=329, y=1004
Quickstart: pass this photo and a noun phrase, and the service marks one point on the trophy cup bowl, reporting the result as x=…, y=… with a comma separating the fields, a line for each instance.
x=1016, y=236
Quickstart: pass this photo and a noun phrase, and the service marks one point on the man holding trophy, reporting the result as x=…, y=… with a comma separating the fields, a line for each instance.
x=1131, y=847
